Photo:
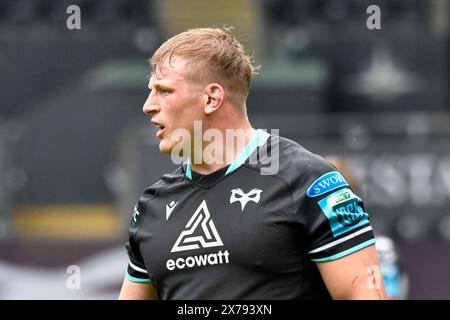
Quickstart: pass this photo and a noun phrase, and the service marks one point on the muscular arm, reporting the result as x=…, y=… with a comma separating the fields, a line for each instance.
x=137, y=291
x=356, y=276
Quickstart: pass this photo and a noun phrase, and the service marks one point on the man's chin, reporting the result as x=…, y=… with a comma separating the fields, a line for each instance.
x=174, y=148
x=165, y=148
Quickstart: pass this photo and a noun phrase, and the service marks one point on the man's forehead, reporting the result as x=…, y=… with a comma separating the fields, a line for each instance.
x=174, y=67
x=174, y=71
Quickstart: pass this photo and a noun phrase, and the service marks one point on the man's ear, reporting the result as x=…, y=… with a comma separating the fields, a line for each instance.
x=214, y=97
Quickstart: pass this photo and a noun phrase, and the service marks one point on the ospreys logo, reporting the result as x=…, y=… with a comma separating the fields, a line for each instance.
x=243, y=198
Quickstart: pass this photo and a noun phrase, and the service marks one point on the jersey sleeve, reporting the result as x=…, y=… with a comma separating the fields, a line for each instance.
x=333, y=216
x=136, y=270
x=338, y=225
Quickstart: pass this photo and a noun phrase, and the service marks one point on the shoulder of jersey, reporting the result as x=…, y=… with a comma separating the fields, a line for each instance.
x=165, y=181
x=297, y=162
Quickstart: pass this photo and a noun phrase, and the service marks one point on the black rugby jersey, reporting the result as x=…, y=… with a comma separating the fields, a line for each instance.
x=241, y=233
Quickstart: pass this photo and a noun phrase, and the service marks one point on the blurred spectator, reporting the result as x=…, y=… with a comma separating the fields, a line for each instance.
x=396, y=279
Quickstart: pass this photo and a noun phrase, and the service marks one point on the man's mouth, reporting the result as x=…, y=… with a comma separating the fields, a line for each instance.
x=160, y=127
x=160, y=131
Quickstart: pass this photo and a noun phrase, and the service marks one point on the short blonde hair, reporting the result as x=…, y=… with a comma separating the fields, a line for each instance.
x=212, y=54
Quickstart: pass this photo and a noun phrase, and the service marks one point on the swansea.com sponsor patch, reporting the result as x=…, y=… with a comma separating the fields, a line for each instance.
x=344, y=211
x=325, y=183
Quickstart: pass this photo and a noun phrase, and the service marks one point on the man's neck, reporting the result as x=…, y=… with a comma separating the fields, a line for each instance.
x=222, y=152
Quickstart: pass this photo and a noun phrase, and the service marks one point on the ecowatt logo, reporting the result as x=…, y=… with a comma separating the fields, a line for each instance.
x=188, y=240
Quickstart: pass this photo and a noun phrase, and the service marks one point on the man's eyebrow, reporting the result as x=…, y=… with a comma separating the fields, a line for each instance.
x=159, y=86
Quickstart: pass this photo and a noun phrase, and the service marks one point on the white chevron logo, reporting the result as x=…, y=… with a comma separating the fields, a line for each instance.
x=201, y=218
x=169, y=208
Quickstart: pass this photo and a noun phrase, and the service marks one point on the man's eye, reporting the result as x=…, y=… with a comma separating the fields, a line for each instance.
x=165, y=91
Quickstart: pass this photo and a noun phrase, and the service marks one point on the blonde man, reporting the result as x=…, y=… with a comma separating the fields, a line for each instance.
x=224, y=225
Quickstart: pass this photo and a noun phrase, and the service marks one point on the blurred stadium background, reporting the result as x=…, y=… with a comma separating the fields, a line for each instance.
x=76, y=149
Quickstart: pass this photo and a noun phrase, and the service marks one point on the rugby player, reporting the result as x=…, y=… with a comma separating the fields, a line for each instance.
x=238, y=228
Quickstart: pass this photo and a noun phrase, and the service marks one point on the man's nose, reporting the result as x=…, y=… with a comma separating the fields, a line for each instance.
x=151, y=106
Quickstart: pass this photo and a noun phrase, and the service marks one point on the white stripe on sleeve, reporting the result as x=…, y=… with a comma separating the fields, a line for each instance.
x=339, y=241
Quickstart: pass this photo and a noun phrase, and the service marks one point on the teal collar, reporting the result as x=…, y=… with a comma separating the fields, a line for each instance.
x=259, y=138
